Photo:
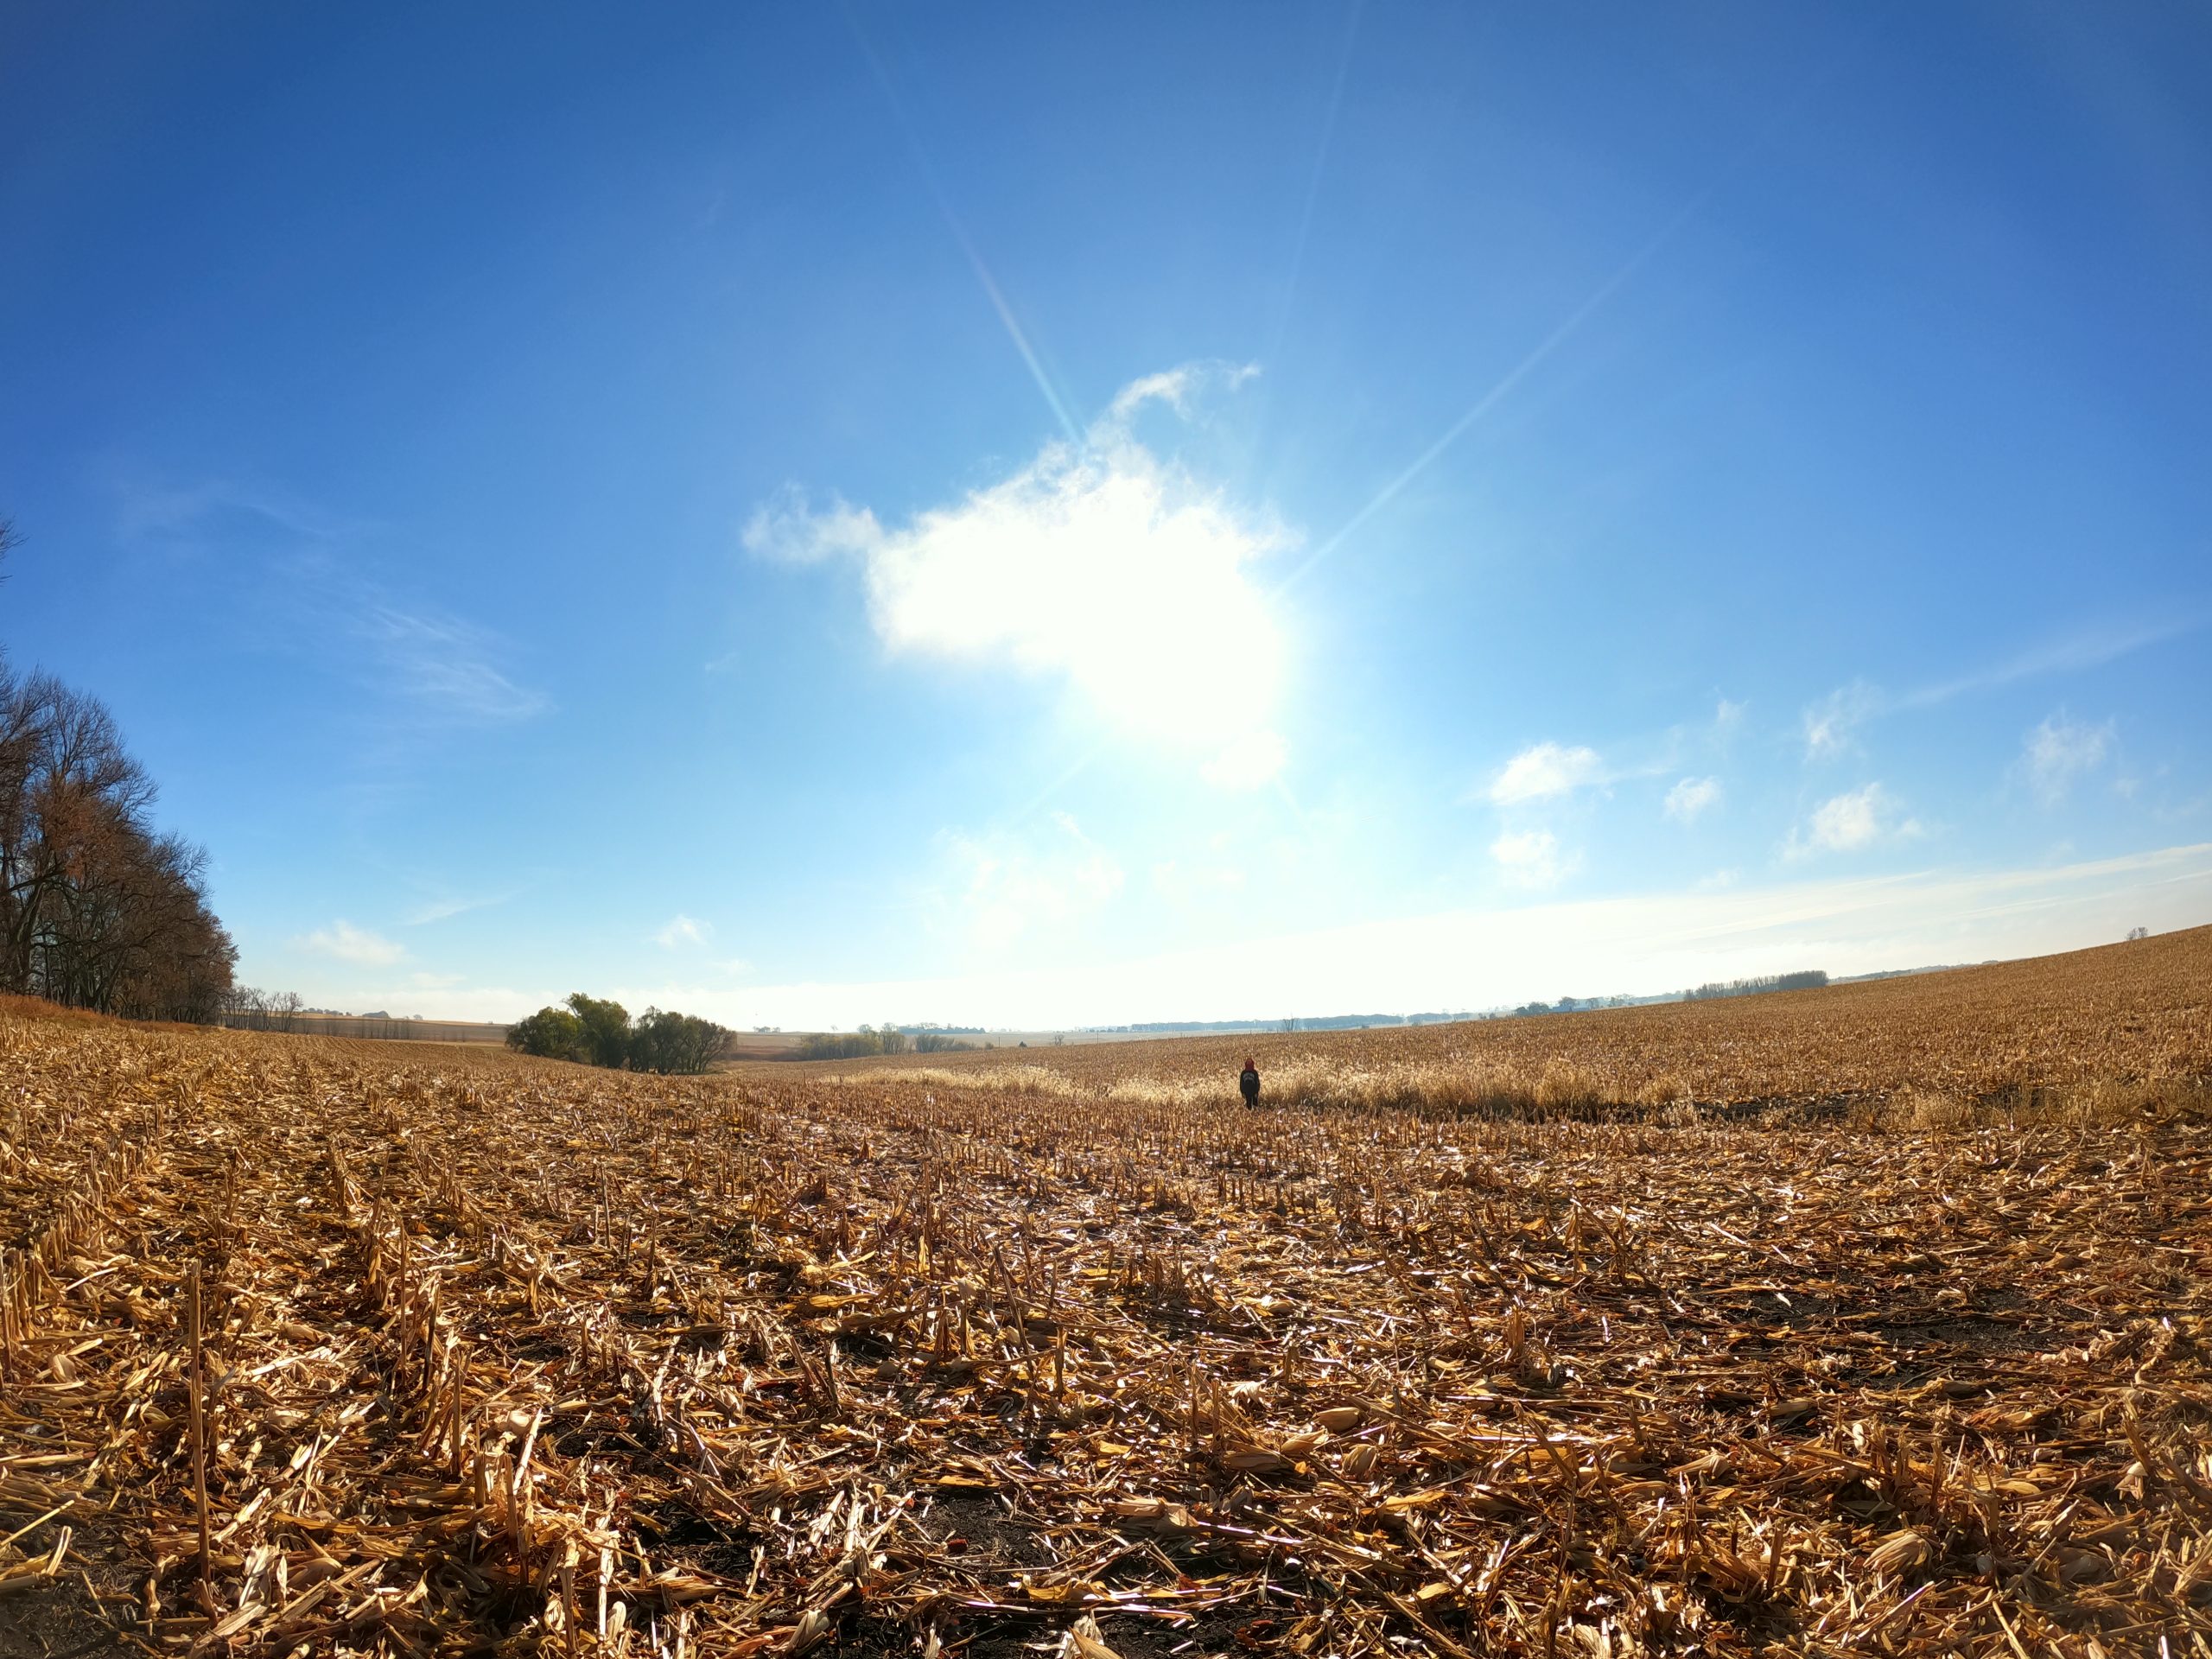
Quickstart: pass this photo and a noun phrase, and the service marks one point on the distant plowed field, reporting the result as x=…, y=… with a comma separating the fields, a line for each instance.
x=320, y=1347
x=2086, y=1033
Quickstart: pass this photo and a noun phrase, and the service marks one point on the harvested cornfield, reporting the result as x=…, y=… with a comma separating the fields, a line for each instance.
x=2086, y=1035
x=320, y=1347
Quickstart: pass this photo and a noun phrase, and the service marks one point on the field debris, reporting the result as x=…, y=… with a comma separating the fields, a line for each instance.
x=504, y=1356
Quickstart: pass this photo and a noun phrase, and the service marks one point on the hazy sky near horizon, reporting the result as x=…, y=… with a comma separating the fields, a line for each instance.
x=1034, y=516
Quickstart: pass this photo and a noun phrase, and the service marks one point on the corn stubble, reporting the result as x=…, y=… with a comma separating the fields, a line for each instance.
x=2092, y=1035
x=498, y=1355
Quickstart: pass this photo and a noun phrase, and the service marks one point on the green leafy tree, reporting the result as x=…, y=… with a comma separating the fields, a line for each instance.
x=675, y=1042
x=552, y=1034
x=605, y=1030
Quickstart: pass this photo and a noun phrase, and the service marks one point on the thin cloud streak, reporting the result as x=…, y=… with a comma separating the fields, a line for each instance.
x=2093, y=648
x=442, y=665
x=149, y=509
x=431, y=910
x=1830, y=724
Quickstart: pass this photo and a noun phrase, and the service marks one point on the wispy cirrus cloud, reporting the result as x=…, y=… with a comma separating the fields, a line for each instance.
x=447, y=907
x=343, y=942
x=1099, y=563
x=2091, y=647
x=682, y=930
x=445, y=668
x=149, y=508
x=1831, y=726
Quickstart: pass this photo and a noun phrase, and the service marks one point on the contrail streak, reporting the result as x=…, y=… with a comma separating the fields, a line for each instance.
x=1313, y=183
x=937, y=194
x=1497, y=393
x=1037, y=805
x=1559, y=336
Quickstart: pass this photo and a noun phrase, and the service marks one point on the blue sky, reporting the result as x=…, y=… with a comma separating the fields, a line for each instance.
x=1045, y=515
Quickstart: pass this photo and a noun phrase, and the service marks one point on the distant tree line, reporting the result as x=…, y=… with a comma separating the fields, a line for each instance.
x=876, y=1039
x=98, y=909
x=602, y=1033
x=248, y=1008
x=1574, y=1005
x=1301, y=1022
x=1811, y=979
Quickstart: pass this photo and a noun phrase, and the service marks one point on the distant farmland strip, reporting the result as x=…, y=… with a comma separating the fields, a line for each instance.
x=354, y=1024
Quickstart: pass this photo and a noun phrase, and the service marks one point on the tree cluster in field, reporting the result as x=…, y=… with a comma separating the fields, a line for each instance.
x=1811, y=979
x=876, y=1039
x=98, y=909
x=601, y=1033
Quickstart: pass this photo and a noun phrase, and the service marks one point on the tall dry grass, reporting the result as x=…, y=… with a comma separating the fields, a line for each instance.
x=1564, y=1089
x=2094, y=1036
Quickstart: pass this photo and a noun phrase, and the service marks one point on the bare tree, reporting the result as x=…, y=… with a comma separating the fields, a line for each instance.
x=96, y=910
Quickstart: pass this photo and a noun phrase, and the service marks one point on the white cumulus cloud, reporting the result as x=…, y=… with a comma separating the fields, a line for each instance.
x=682, y=929
x=1853, y=822
x=2060, y=751
x=1543, y=770
x=1691, y=797
x=1531, y=858
x=791, y=531
x=347, y=942
x=1101, y=562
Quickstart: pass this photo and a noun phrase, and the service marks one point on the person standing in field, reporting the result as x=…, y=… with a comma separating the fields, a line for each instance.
x=1248, y=1082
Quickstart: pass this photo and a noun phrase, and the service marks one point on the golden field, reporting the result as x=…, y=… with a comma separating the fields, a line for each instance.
x=2091, y=1032
x=1869, y=1320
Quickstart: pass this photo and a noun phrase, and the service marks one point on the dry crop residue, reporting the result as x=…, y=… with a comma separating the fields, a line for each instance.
x=2089, y=1033
x=501, y=1356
